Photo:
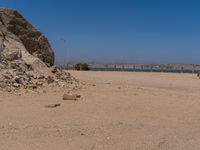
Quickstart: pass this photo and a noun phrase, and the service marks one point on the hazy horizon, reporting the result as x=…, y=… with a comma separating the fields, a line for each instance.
x=137, y=31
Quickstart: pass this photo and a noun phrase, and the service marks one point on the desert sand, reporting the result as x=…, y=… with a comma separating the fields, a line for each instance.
x=116, y=111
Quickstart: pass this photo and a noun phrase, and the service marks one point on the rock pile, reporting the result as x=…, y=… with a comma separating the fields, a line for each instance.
x=17, y=74
x=26, y=57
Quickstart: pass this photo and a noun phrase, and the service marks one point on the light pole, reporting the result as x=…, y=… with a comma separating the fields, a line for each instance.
x=65, y=53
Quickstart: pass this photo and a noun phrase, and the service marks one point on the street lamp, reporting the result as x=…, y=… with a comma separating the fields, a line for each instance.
x=65, y=52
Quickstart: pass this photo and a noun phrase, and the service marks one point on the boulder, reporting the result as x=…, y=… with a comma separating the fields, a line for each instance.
x=15, y=28
x=26, y=57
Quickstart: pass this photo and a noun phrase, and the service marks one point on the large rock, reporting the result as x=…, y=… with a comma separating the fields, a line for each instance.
x=26, y=57
x=15, y=32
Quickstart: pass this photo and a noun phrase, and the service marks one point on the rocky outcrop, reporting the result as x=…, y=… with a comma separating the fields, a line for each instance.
x=26, y=57
x=13, y=27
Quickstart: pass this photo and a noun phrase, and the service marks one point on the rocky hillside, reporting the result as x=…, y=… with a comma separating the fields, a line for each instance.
x=26, y=57
x=13, y=27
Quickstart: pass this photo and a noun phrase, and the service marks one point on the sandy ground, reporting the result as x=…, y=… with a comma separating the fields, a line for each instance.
x=118, y=111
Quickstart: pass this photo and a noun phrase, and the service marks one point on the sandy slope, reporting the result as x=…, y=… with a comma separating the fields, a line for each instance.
x=118, y=111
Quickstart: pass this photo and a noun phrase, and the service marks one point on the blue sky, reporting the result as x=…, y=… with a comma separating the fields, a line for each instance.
x=137, y=31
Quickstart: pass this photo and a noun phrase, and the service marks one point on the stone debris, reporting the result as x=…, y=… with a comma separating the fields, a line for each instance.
x=53, y=105
x=16, y=74
x=71, y=97
x=78, y=96
x=26, y=57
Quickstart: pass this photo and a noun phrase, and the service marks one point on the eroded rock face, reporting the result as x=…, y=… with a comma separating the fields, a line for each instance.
x=14, y=28
x=26, y=57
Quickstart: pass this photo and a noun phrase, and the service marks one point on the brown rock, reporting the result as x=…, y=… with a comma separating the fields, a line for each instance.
x=50, y=79
x=16, y=85
x=12, y=55
x=39, y=83
x=26, y=57
x=52, y=105
x=13, y=25
x=70, y=97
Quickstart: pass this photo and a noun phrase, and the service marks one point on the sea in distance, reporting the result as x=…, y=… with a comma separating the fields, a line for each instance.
x=144, y=70
x=139, y=70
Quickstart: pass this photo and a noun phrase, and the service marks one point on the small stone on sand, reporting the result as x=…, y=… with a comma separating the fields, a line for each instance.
x=52, y=105
x=71, y=97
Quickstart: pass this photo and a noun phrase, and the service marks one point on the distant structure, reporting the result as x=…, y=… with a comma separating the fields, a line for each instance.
x=184, y=68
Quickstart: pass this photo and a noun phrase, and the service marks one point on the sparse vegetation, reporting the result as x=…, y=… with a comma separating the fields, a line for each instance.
x=82, y=67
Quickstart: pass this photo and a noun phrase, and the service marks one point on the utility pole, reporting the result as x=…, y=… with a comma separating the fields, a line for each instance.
x=65, y=53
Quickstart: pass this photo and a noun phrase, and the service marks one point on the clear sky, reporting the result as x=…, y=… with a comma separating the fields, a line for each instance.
x=138, y=31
